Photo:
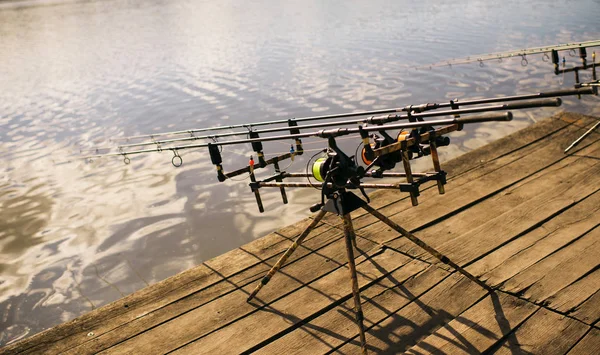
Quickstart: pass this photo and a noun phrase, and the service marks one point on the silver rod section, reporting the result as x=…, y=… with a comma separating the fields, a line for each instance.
x=408, y=108
x=306, y=184
x=367, y=174
x=372, y=120
x=347, y=131
x=511, y=54
x=264, y=123
x=589, y=131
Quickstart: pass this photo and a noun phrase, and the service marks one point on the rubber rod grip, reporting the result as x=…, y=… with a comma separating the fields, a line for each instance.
x=567, y=92
x=533, y=104
x=506, y=116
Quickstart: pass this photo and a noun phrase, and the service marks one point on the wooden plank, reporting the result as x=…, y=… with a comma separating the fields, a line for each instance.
x=546, y=332
x=499, y=175
x=553, y=132
x=336, y=327
x=418, y=319
x=558, y=270
x=538, y=197
x=590, y=344
x=58, y=339
x=542, y=196
x=210, y=293
x=528, y=249
x=589, y=311
x=567, y=299
x=227, y=308
x=306, y=302
x=109, y=318
x=542, y=182
x=477, y=158
x=477, y=329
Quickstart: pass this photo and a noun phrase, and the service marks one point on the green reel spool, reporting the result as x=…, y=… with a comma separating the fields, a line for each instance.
x=319, y=169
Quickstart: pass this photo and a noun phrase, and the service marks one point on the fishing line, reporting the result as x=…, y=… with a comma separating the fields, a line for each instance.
x=238, y=180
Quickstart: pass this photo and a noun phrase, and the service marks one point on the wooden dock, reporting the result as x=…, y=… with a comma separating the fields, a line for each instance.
x=517, y=213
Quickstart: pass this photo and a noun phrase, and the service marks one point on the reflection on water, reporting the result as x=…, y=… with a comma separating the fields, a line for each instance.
x=75, y=236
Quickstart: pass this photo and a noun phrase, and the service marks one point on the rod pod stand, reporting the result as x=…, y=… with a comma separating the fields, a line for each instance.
x=342, y=203
x=280, y=179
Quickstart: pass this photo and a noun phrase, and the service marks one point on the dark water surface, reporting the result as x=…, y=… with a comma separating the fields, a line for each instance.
x=77, y=235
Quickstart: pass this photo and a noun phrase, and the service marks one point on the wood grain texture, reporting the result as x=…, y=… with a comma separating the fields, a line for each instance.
x=233, y=307
x=418, y=319
x=590, y=344
x=250, y=275
x=292, y=309
x=537, y=244
x=558, y=270
x=589, y=311
x=479, y=328
x=500, y=177
x=333, y=329
x=545, y=333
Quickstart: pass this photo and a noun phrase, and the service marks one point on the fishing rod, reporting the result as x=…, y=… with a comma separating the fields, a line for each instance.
x=522, y=53
x=379, y=120
x=575, y=49
x=587, y=133
x=595, y=83
x=264, y=123
x=454, y=104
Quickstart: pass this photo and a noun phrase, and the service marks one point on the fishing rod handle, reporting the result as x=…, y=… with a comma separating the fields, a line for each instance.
x=506, y=116
x=567, y=92
x=555, y=102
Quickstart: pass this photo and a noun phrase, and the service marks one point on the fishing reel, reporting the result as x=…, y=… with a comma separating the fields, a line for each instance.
x=336, y=167
x=336, y=171
x=389, y=161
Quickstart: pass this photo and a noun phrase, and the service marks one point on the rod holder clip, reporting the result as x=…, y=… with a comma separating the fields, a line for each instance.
x=293, y=131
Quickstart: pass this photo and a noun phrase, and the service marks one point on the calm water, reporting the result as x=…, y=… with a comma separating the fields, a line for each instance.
x=74, y=235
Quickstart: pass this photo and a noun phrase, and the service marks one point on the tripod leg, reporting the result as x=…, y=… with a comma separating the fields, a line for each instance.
x=426, y=247
x=349, y=237
x=287, y=254
x=349, y=229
